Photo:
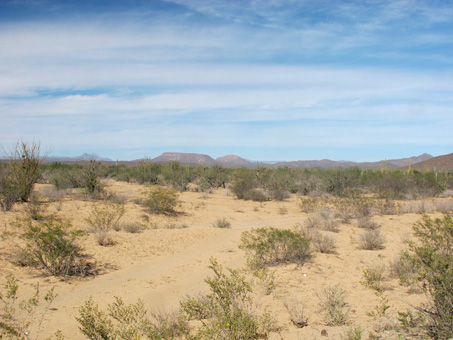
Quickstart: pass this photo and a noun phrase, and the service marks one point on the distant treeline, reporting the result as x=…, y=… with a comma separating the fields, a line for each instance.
x=260, y=183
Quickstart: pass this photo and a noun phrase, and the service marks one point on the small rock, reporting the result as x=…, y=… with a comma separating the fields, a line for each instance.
x=324, y=332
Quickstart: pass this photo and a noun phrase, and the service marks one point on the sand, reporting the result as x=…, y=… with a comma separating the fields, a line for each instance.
x=161, y=266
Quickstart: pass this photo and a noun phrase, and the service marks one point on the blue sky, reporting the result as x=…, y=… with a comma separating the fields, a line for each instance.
x=266, y=80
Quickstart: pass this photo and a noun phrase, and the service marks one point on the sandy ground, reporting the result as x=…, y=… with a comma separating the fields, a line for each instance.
x=161, y=266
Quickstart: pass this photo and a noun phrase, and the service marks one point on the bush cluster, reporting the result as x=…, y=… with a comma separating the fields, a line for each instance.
x=269, y=246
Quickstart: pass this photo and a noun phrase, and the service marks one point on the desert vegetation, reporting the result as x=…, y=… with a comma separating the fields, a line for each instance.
x=198, y=252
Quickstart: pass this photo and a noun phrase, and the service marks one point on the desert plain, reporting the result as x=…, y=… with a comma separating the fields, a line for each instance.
x=168, y=260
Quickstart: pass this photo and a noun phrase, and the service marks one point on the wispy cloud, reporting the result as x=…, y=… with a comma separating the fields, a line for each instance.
x=238, y=75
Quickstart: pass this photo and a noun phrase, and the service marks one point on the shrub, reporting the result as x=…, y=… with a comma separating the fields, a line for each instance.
x=103, y=218
x=309, y=204
x=367, y=223
x=25, y=161
x=268, y=246
x=228, y=311
x=34, y=208
x=23, y=320
x=324, y=243
x=332, y=304
x=353, y=333
x=90, y=178
x=133, y=227
x=371, y=240
x=297, y=313
x=244, y=181
x=433, y=255
x=123, y=321
x=222, y=223
x=404, y=268
x=255, y=195
x=9, y=191
x=53, y=246
x=162, y=200
x=373, y=276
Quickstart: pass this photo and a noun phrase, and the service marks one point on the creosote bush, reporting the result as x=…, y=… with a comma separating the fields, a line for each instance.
x=229, y=310
x=22, y=319
x=433, y=256
x=130, y=322
x=52, y=245
x=269, y=246
x=162, y=200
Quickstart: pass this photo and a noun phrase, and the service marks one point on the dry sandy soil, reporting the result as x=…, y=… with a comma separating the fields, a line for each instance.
x=161, y=266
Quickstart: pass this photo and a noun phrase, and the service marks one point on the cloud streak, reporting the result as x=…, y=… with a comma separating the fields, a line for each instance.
x=261, y=75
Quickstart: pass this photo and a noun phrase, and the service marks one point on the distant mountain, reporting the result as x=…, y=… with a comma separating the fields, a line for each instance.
x=327, y=164
x=185, y=158
x=444, y=162
x=84, y=157
x=233, y=161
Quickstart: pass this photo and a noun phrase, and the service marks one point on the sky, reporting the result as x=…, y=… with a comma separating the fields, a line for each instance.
x=266, y=80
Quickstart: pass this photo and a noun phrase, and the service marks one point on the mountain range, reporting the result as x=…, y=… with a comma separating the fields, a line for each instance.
x=421, y=162
x=234, y=161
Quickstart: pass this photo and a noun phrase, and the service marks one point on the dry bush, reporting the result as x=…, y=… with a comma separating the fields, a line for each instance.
x=386, y=207
x=309, y=204
x=403, y=268
x=367, y=223
x=324, y=243
x=104, y=217
x=53, y=194
x=296, y=312
x=133, y=227
x=444, y=206
x=417, y=207
x=222, y=223
x=372, y=240
x=333, y=305
x=353, y=333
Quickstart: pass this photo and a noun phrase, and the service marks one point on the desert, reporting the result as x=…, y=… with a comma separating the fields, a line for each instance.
x=165, y=255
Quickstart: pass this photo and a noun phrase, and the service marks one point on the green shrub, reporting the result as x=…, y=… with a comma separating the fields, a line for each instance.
x=268, y=246
x=162, y=200
x=34, y=208
x=129, y=322
x=22, y=320
x=332, y=304
x=53, y=246
x=9, y=190
x=25, y=162
x=228, y=311
x=244, y=181
x=373, y=276
x=433, y=255
x=91, y=178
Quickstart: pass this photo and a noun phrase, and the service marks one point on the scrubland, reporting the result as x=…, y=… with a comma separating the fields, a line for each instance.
x=179, y=252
